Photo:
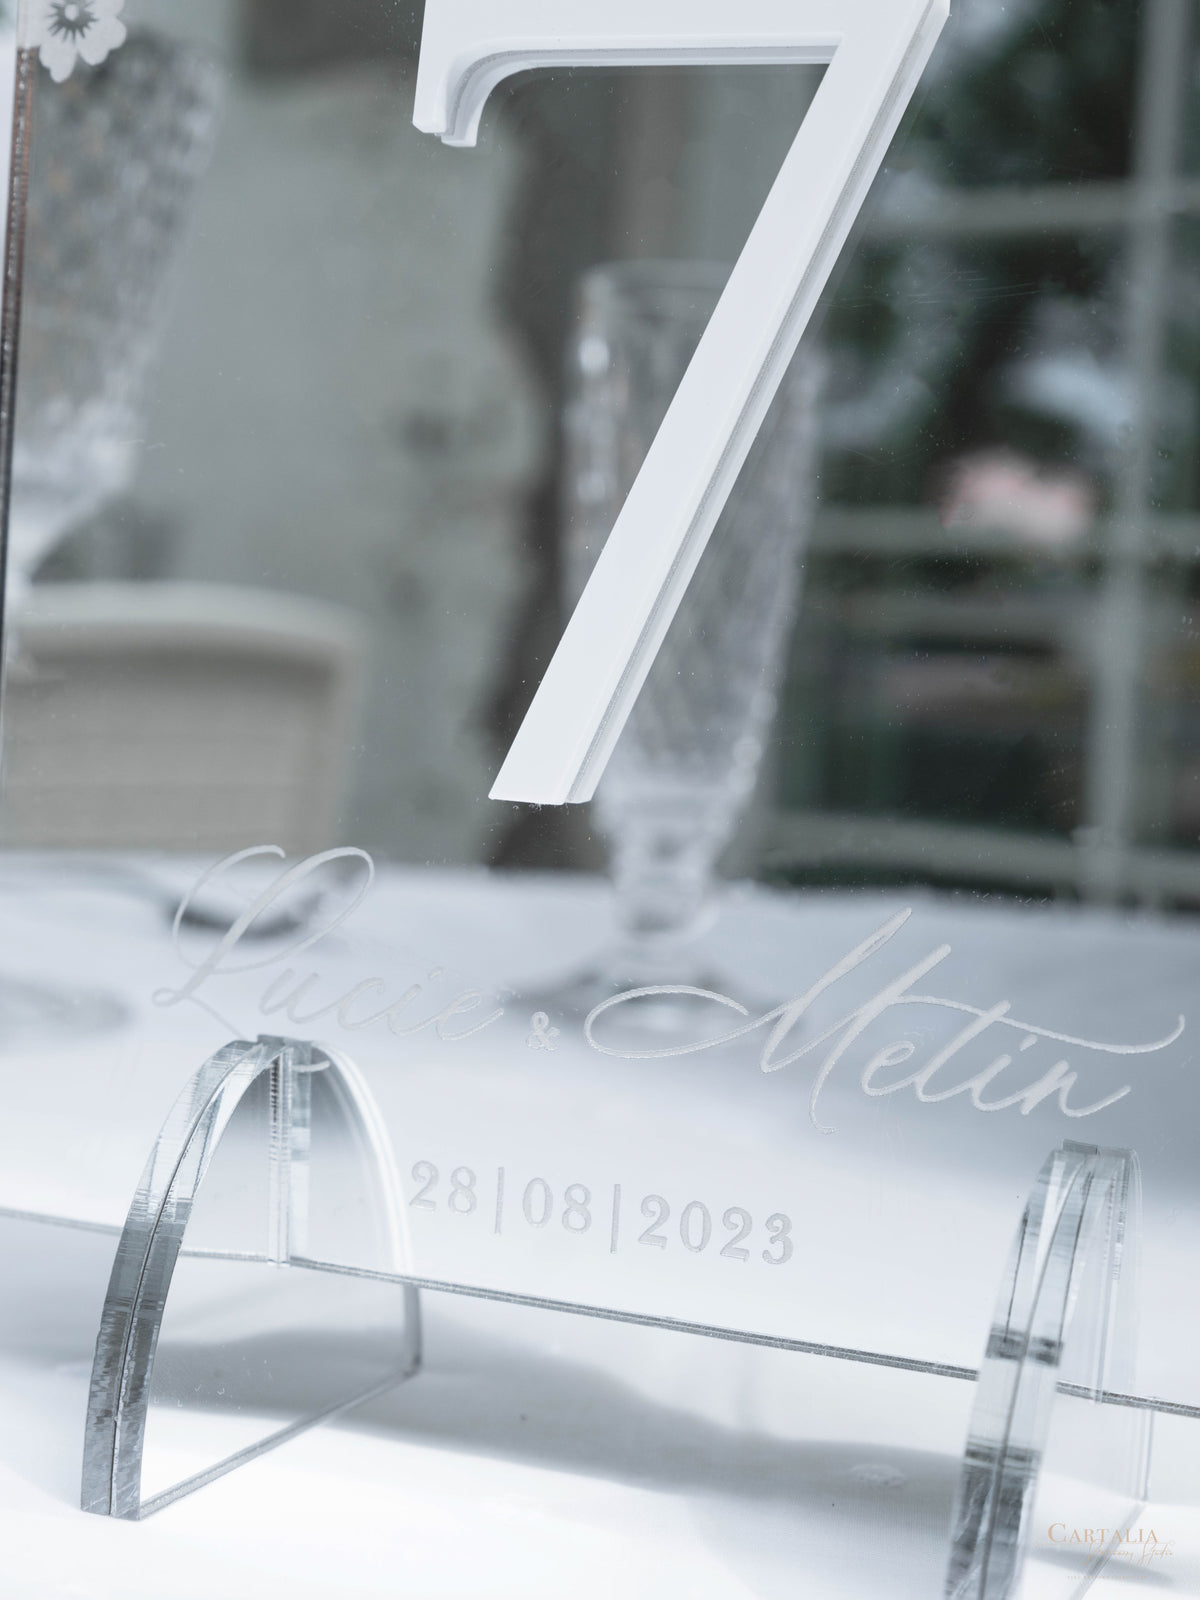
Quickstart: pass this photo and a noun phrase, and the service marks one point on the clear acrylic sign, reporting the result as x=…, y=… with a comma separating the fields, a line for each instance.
x=853, y=1020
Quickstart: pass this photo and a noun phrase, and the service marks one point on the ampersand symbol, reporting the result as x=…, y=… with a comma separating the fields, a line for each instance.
x=542, y=1035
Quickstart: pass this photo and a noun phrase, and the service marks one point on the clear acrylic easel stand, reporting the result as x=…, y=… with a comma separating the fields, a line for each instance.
x=1057, y=1459
x=228, y=1326
x=261, y=1284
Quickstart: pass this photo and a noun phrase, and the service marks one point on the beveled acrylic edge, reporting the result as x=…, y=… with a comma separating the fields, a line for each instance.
x=17, y=192
x=1082, y=1219
x=150, y=1245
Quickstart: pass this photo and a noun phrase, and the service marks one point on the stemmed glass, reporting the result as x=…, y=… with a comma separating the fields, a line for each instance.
x=116, y=155
x=690, y=753
x=117, y=152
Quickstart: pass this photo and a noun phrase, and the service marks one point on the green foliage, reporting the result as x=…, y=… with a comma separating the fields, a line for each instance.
x=926, y=334
x=1052, y=103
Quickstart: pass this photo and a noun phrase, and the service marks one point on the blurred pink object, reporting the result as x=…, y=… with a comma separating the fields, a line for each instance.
x=1000, y=491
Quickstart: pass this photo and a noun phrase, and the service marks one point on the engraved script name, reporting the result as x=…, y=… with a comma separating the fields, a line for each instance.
x=288, y=991
x=1056, y=1081
x=297, y=995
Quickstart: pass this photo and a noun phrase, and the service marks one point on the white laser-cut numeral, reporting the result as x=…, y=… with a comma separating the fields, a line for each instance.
x=876, y=51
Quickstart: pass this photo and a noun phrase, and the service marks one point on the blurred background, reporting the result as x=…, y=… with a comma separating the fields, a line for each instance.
x=356, y=404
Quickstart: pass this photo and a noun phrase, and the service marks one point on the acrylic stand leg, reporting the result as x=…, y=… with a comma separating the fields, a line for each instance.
x=1043, y=1447
x=215, y=1343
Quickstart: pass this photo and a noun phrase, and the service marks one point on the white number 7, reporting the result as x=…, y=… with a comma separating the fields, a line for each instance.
x=877, y=50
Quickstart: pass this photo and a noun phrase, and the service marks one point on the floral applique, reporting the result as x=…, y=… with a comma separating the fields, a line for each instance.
x=65, y=31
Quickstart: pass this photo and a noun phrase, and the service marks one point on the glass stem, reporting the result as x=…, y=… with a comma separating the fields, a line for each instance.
x=662, y=871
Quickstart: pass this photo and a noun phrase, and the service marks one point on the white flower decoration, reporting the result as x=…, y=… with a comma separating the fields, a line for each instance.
x=67, y=30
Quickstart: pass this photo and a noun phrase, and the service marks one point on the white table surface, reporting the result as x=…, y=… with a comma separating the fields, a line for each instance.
x=536, y=1454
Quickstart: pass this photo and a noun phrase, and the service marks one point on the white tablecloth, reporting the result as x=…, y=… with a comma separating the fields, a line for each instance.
x=536, y=1454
